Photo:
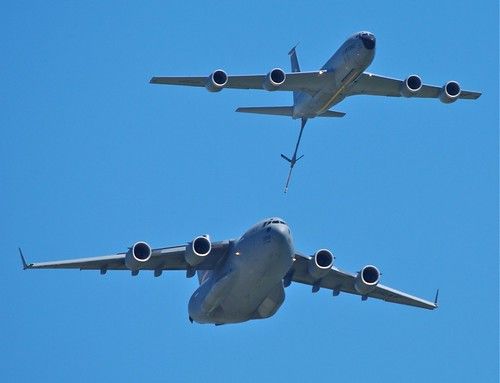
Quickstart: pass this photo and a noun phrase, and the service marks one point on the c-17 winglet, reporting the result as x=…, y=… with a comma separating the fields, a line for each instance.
x=436, y=298
x=23, y=260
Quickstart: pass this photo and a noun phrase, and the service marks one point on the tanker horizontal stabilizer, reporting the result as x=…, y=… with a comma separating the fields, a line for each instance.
x=331, y=113
x=283, y=111
x=273, y=110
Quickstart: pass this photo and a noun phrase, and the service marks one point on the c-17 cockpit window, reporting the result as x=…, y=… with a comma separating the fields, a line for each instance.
x=273, y=222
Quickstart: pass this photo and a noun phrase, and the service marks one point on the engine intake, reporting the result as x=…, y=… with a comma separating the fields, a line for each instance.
x=450, y=92
x=274, y=79
x=411, y=85
x=367, y=279
x=198, y=249
x=216, y=81
x=137, y=256
x=320, y=264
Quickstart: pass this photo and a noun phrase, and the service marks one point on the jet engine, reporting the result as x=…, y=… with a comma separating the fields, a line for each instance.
x=216, y=81
x=450, y=92
x=367, y=279
x=274, y=79
x=320, y=264
x=198, y=249
x=411, y=85
x=137, y=256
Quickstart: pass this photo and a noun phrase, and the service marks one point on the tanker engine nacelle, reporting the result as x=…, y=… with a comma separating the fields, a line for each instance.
x=411, y=85
x=367, y=279
x=198, y=249
x=274, y=79
x=216, y=81
x=450, y=92
x=320, y=264
x=137, y=256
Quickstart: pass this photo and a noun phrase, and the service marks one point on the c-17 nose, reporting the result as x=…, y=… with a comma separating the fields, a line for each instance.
x=368, y=40
x=281, y=235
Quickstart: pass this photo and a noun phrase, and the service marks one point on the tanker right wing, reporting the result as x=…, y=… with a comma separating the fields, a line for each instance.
x=276, y=79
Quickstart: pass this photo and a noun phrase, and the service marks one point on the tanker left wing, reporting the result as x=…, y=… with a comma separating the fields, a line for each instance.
x=319, y=272
x=412, y=86
x=200, y=254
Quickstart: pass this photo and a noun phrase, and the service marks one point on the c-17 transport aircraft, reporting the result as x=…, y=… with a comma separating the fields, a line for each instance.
x=315, y=92
x=243, y=279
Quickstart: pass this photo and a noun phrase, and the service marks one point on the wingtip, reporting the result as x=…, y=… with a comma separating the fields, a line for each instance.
x=23, y=260
x=293, y=49
x=436, y=299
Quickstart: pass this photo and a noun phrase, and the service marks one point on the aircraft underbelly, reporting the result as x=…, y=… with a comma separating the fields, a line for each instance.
x=252, y=287
x=332, y=93
x=342, y=69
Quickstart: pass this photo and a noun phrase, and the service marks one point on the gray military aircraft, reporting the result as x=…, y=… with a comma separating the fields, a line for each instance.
x=243, y=279
x=315, y=92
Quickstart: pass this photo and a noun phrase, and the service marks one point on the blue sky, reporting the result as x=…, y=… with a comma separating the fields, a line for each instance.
x=93, y=158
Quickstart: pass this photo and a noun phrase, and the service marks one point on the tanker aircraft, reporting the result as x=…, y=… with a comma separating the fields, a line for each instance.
x=244, y=279
x=315, y=92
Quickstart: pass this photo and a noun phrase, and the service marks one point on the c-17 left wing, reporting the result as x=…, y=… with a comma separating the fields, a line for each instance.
x=276, y=79
x=341, y=281
x=376, y=85
x=141, y=257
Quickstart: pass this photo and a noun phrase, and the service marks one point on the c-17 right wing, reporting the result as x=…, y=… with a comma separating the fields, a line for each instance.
x=276, y=79
x=341, y=281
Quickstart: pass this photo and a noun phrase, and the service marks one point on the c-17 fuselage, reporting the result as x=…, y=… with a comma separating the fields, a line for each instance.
x=249, y=285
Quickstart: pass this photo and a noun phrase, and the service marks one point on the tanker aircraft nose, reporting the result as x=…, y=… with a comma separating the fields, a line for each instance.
x=368, y=40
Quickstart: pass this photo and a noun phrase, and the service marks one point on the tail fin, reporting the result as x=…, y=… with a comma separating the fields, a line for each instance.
x=274, y=110
x=295, y=68
x=294, y=60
